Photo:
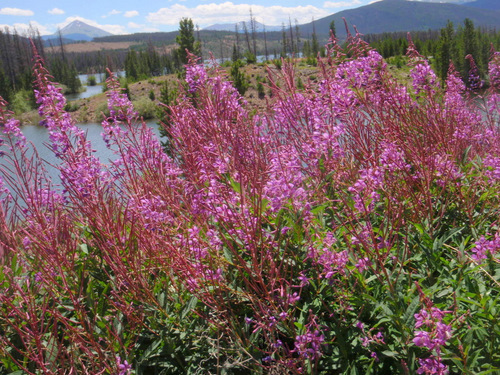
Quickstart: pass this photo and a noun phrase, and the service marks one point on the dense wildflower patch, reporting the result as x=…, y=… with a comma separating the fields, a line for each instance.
x=351, y=228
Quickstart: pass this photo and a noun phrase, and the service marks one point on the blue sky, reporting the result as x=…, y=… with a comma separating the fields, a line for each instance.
x=132, y=16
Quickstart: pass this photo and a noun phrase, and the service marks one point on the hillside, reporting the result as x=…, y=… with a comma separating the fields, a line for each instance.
x=89, y=46
x=379, y=17
x=485, y=4
x=241, y=27
x=402, y=15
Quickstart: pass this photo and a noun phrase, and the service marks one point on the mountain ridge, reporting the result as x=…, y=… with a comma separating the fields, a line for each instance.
x=484, y=4
x=241, y=27
x=402, y=15
x=77, y=31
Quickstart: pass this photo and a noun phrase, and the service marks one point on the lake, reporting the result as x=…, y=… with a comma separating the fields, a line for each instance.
x=39, y=137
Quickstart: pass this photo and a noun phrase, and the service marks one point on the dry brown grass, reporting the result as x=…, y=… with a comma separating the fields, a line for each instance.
x=92, y=46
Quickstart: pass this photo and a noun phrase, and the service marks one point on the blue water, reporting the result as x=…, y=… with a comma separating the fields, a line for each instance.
x=38, y=136
x=91, y=90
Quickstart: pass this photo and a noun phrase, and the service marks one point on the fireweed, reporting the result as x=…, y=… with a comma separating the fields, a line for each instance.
x=351, y=227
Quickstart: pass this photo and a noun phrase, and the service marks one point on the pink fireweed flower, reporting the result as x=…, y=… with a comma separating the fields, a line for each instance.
x=285, y=183
x=151, y=210
x=438, y=332
x=370, y=338
x=123, y=367
x=196, y=76
x=475, y=82
x=119, y=105
x=483, y=246
x=293, y=298
x=432, y=366
x=446, y=170
x=392, y=158
x=494, y=70
x=304, y=280
x=363, y=264
x=333, y=262
x=492, y=163
x=433, y=338
x=424, y=78
x=364, y=190
x=308, y=346
x=422, y=338
x=83, y=175
x=363, y=71
x=423, y=318
x=11, y=127
x=51, y=108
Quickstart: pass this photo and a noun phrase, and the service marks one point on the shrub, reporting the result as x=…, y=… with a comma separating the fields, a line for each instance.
x=102, y=110
x=240, y=81
x=91, y=80
x=145, y=108
x=21, y=102
x=71, y=107
x=260, y=90
x=250, y=57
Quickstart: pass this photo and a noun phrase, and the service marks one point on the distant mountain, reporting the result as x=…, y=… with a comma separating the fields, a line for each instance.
x=77, y=31
x=445, y=1
x=402, y=15
x=241, y=27
x=485, y=4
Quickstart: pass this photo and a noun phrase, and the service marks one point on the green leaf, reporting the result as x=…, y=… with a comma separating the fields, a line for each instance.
x=299, y=326
x=52, y=350
x=411, y=310
x=151, y=349
x=390, y=353
x=228, y=255
x=83, y=248
x=193, y=301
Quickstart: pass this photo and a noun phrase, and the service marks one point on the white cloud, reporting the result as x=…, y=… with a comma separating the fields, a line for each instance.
x=133, y=25
x=24, y=28
x=113, y=29
x=112, y=13
x=56, y=11
x=227, y=12
x=141, y=28
x=16, y=12
x=131, y=13
x=341, y=4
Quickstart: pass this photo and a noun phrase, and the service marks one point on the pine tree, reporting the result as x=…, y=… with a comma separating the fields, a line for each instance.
x=167, y=97
x=186, y=41
x=469, y=45
x=5, y=88
x=445, y=50
x=239, y=80
x=332, y=28
x=314, y=42
x=132, y=66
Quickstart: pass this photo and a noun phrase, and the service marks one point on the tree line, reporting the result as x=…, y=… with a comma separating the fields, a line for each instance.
x=450, y=44
x=16, y=54
x=16, y=60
